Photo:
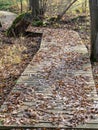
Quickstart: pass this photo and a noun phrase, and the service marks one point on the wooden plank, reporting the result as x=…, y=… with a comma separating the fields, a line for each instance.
x=93, y=122
x=41, y=127
x=88, y=126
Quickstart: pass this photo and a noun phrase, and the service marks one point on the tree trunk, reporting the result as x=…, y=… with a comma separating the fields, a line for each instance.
x=21, y=5
x=94, y=29
x=34, y=7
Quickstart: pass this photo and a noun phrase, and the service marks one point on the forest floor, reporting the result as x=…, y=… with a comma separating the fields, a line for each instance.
x=57, y=87
x=16, y=54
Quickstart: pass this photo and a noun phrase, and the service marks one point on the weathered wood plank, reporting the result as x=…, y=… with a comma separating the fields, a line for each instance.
x=57, y=85
x=89, y=126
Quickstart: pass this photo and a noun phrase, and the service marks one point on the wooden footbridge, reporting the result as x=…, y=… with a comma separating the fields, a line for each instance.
x=56, y=90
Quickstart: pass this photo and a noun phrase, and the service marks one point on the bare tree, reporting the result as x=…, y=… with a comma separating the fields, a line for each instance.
x=34, y=6
x=21, y=5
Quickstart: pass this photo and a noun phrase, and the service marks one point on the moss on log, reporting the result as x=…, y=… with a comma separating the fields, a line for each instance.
x=19, y=25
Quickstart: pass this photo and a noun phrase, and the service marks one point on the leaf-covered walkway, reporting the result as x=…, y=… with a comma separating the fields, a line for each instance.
x=57, y=87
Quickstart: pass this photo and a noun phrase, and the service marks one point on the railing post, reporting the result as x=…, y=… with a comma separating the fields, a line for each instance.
x=94, y=29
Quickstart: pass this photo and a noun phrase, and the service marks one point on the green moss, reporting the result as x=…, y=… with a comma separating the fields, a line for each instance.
x=37, y=23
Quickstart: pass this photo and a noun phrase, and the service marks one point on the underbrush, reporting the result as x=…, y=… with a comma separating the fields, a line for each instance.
x=5, y=5
x=13, y=5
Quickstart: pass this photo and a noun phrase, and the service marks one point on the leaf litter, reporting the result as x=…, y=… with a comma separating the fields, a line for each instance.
x=15, y=54
x=57, y=94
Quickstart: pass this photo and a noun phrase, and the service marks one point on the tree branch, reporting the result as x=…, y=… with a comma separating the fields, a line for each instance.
x=66, y=9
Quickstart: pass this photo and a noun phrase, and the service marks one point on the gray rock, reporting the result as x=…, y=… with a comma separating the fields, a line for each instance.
x=6, y=18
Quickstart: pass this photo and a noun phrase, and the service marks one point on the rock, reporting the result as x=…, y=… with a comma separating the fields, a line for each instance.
x=6, y=18
x=19, y=25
